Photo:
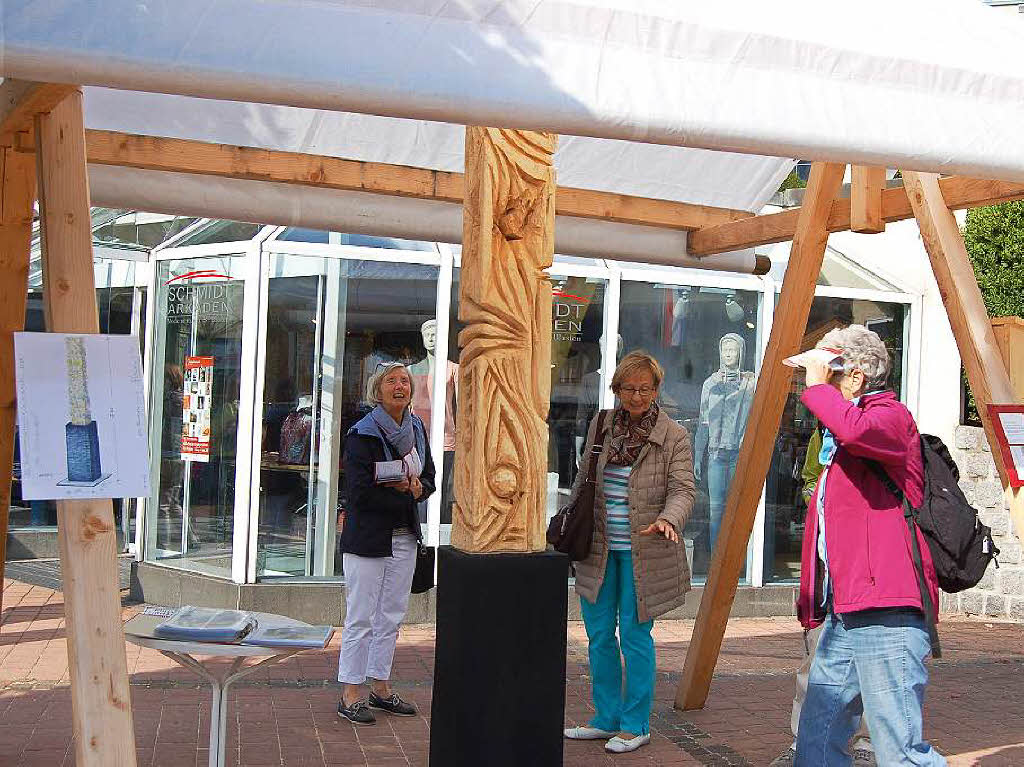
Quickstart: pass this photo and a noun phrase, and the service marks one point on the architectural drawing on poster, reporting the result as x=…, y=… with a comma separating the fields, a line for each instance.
x=81, y=416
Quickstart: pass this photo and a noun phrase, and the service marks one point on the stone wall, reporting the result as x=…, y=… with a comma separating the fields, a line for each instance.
x=1000, y=594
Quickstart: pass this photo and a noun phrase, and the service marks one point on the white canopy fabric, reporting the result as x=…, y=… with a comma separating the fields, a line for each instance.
x=725, y=180
x=923, y=84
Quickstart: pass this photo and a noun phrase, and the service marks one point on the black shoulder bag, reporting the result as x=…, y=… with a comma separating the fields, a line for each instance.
x=571, y=530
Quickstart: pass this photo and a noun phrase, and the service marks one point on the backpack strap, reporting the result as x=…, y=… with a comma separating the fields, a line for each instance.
x=929, y=609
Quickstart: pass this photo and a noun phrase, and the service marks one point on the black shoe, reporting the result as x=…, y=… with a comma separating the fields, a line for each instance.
x=392, y=704
x=357, y=713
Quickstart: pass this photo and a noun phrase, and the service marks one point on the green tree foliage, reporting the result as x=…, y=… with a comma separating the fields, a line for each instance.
x=792, y=181
x=995, y=243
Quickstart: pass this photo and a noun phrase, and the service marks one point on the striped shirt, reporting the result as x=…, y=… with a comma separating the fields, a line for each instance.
x=616, y=494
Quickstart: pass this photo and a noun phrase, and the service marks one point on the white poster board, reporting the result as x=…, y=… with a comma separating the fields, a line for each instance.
x=81, y=416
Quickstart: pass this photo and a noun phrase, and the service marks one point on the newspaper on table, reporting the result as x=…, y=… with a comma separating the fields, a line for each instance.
x=206, y=624
x=290, y=636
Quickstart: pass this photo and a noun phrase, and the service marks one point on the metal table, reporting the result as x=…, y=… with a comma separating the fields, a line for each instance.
x=139, y=630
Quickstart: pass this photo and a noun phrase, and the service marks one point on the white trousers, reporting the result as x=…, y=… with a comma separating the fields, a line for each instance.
x=861, y=738
x=376, y=598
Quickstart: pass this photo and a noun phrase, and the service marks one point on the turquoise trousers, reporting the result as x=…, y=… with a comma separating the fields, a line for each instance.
x=616, y=709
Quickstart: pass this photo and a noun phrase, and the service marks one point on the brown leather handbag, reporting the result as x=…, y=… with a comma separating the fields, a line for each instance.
x=571, y=530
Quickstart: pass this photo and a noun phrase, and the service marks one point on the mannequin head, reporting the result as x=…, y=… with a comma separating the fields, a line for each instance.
x=620, y=346
x=429, y=332
x=730, y=351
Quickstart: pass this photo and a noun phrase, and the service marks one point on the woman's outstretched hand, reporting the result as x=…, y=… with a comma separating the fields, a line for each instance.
x=661, y=527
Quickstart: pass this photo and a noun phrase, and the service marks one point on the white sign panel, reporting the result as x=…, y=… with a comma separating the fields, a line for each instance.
x=81, y=416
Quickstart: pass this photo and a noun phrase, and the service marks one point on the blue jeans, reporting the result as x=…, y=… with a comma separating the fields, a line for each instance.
x=617, y=600
x=869, y=662
x=720, y=472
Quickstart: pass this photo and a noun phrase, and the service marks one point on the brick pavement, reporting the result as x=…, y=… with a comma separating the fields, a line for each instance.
x=285, y=715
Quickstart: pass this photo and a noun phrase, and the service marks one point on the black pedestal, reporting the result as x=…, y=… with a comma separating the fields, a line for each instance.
x=499, y=668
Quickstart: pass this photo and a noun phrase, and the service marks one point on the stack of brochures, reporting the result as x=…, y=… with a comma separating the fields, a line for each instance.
x=290, y=636
x=206, y=624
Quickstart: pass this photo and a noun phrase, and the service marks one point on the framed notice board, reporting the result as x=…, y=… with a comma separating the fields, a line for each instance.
x=1008, y=423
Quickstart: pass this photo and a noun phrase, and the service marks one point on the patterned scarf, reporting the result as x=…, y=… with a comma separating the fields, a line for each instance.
x=629, y=437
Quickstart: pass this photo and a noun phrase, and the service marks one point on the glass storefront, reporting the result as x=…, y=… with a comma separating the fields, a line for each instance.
x=259, y=493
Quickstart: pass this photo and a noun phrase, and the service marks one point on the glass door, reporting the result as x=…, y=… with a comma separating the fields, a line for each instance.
x=329, y=322
x=195, y=409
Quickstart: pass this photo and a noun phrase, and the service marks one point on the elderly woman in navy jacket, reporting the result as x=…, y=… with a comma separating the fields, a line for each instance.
x=379, y=540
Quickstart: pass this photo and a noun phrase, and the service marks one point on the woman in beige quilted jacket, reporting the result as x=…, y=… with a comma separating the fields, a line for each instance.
x=637, y=567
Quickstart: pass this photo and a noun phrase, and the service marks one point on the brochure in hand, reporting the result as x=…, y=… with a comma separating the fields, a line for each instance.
x=396, y=471
x=831, y=357
x=290, y=636
x=206, y=624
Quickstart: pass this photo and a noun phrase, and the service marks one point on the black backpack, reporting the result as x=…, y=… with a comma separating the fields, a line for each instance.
x=960, y=545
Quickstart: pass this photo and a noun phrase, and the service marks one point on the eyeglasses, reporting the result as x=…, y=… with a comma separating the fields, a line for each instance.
x=643, y=391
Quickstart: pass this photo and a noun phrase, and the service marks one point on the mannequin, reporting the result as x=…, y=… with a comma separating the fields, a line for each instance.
x=422, y=373
x=294, y=447
x=590, y=397
x=679, y=312
x=725, y=402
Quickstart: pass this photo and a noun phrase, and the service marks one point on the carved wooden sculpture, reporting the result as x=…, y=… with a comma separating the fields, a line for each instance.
x=505, y=362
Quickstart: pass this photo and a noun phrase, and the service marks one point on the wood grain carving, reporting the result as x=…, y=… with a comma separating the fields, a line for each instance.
x=505, y=362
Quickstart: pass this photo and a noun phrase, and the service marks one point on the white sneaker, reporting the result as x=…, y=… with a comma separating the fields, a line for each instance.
x=619, y=745
x=587, y=733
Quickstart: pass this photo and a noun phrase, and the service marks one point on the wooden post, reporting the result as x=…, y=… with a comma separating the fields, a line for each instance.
x=968, y=317
x=505, y=362
x=17, y=174
x=773, y=386
x=866, y=199
x=98, y=667
x=1009, y=333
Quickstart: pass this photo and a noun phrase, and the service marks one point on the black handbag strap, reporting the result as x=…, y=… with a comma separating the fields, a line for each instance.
x=596, y=447
x=929, y=608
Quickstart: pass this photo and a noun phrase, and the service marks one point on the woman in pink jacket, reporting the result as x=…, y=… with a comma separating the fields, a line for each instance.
x=858, y=576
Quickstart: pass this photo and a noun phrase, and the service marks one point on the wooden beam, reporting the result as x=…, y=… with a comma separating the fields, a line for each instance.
x=505, y=361
x=17, y=195
x=773, y=387
x=101, y=703
x=1009, y=333
x=21, y=101
x=968, y=317
x=959, y=193
x=196, y=157
x=866, y=199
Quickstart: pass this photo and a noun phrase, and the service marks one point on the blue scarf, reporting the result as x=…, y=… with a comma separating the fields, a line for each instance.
x=401, y=436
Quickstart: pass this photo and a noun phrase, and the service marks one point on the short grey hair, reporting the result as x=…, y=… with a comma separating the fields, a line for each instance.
x=862, y=350
x=378, y=375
